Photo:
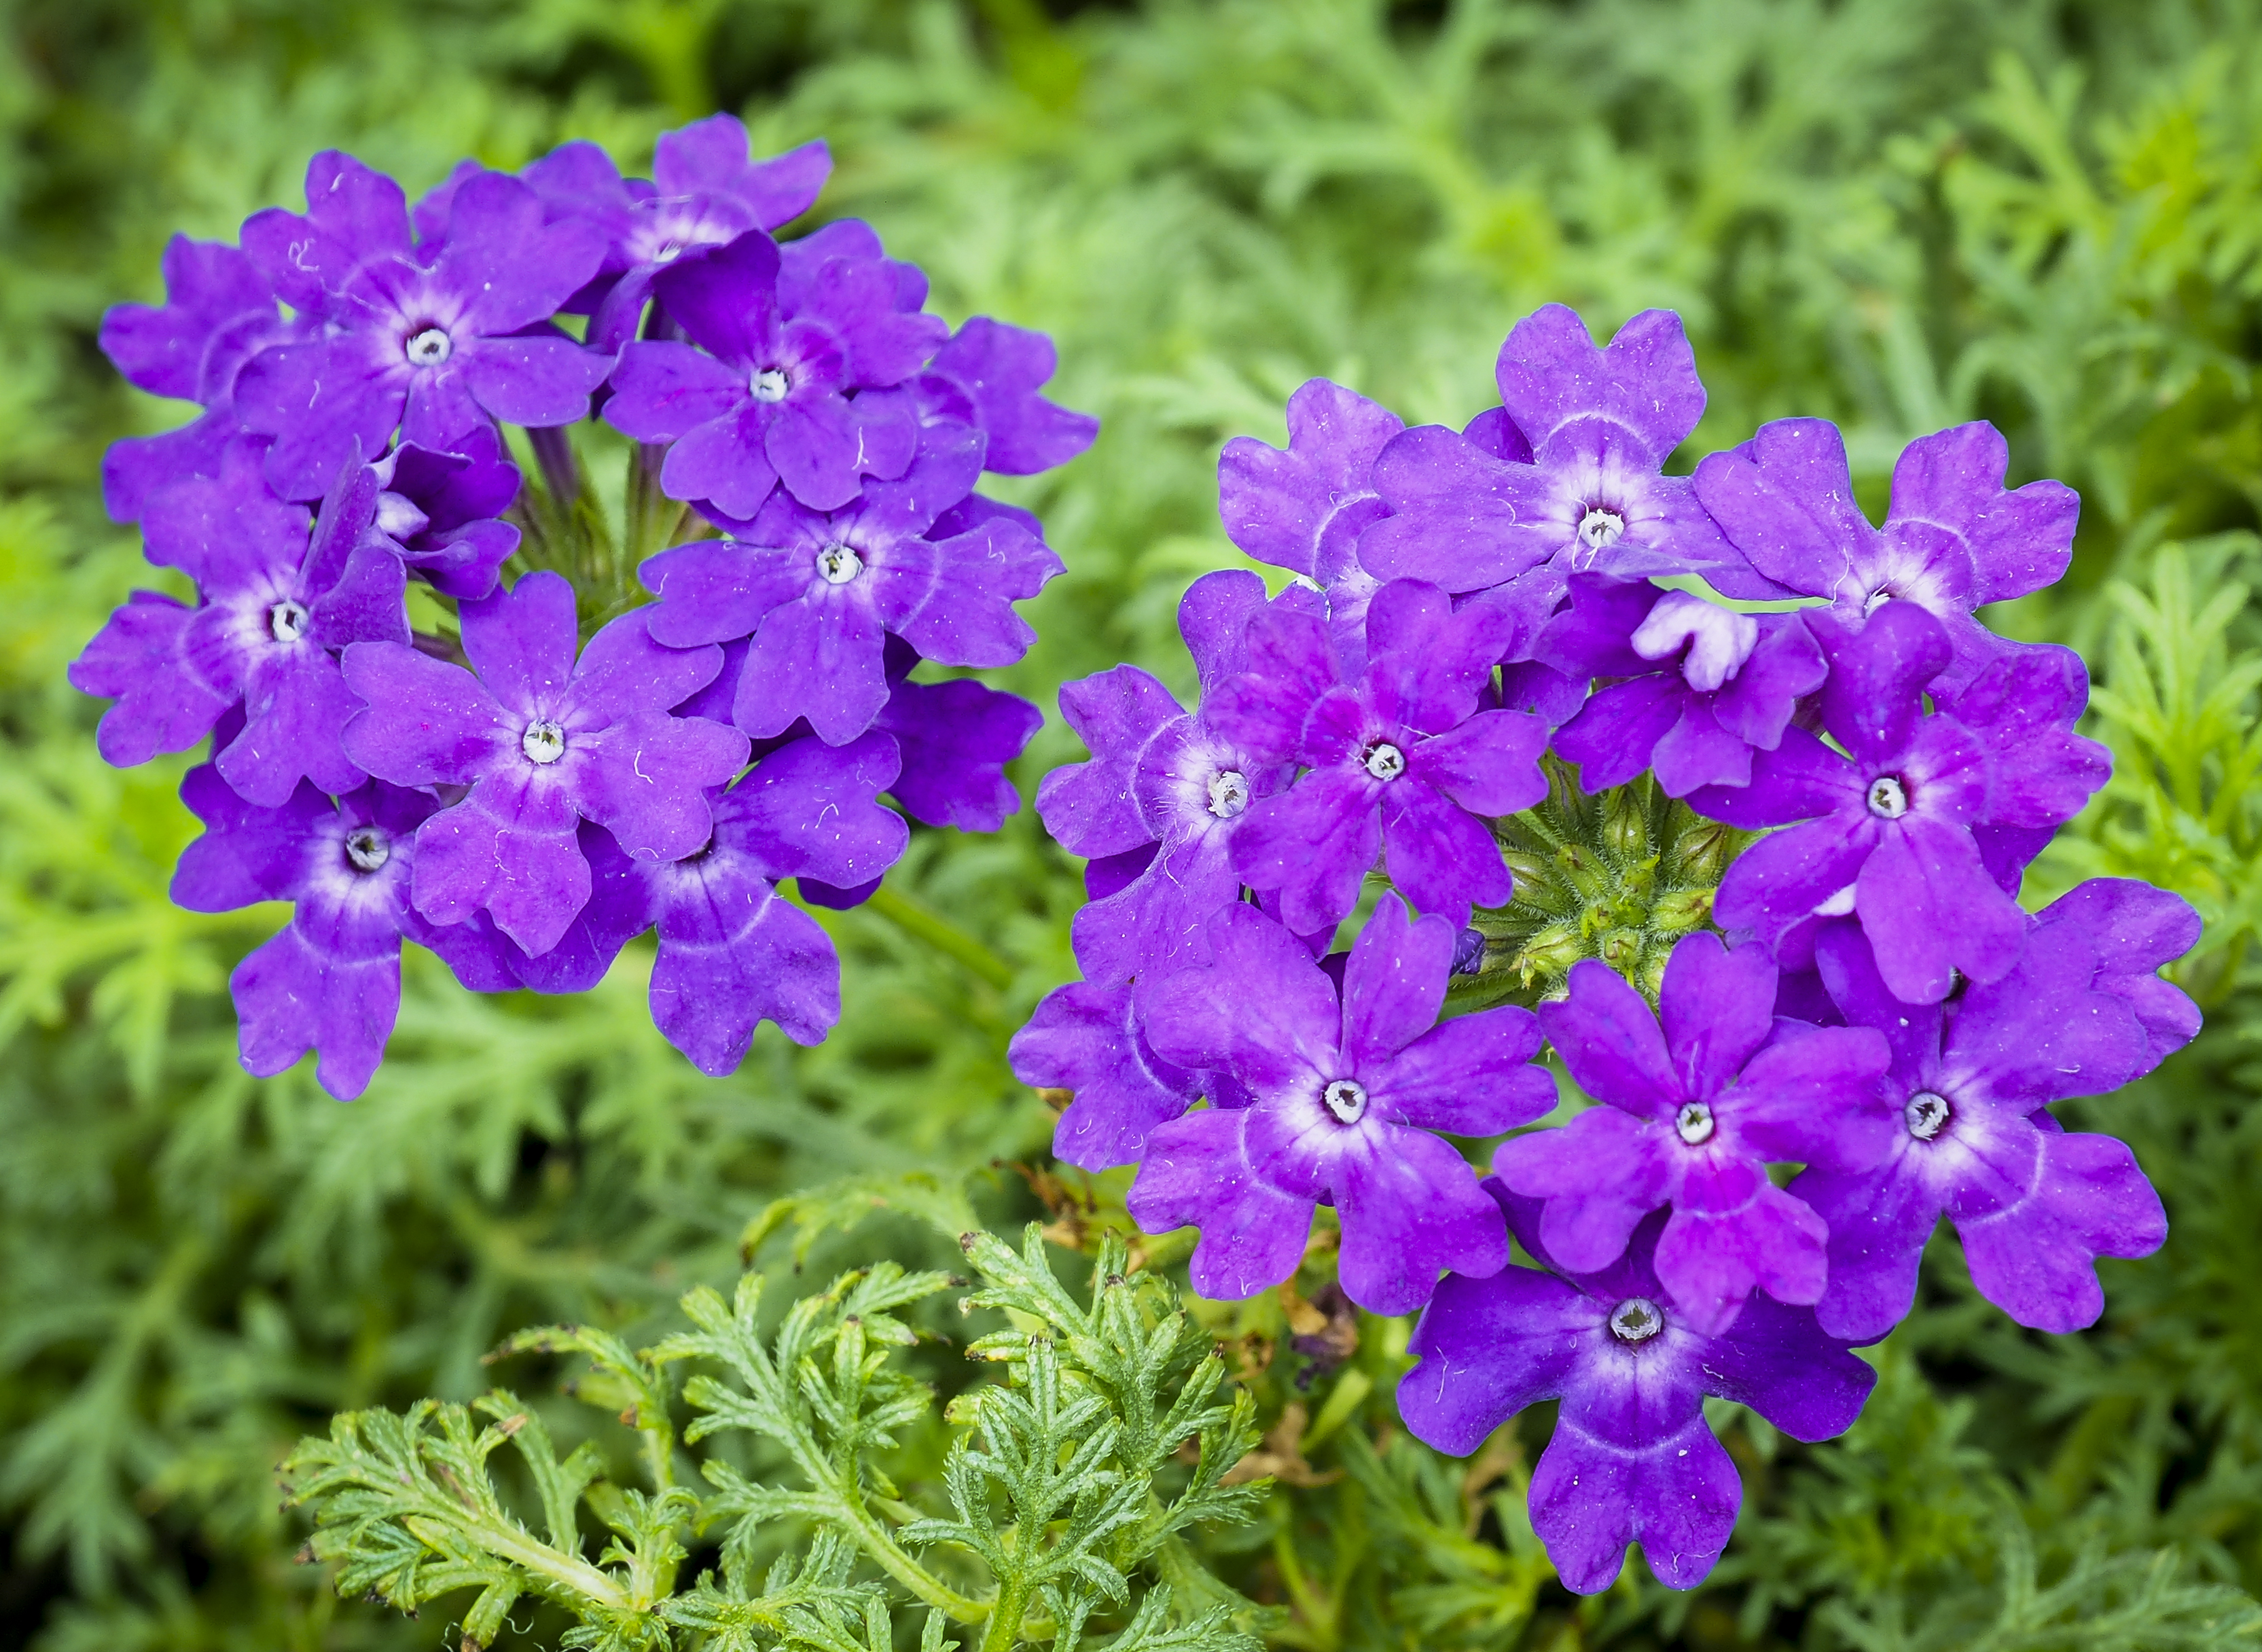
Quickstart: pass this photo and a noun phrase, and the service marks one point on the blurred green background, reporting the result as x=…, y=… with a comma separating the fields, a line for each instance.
x=1900, y=214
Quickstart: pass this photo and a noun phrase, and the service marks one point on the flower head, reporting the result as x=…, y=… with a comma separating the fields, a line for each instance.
x=1632, y=1460
x=1343, y=1093
x=1701, y=1097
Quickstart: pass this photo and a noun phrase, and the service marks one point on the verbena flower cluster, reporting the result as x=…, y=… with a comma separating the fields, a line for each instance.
x=1875, y=1009
x=418, y=732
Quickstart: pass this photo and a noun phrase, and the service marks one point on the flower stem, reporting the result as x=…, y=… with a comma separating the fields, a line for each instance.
x=922, y=924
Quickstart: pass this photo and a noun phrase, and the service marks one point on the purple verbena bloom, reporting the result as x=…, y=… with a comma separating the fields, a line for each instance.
x=820, y=593
x=1344, y=1092
x=1401, y=763
x=1971, y=1082
x=276, y=604
x=1632, y=1460
x=1702, y=687
x=955, y=739
x=330, y=980
x=733, y=952
x=2133, y=929
x=442, y=512
x=1303, y=507
x=1889, y=831
x=1703, y=1094
x=1953, y=539
x=768, y=401
x=545, y=741
x=704, y=192
x=1160, y=776
x=1601, y=423
x=218, y=312
x=1085, y=1039
x=433, y=351
x=988, y=375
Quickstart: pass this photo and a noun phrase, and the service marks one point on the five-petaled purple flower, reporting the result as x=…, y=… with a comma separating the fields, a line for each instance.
x=821, y=591
x=276, y=602
x=1953, y=540
x=733, y=952
x=1633, y=1460
x=767, y=401
x=1343, y=1092
x=1892, y=818
x=545, y=741
x=1703, y=1094
x=1601, y=423
x=1701, y=686
x=434, y=348
x=1970, y=1083
x=330, y=980
x=1402, y=761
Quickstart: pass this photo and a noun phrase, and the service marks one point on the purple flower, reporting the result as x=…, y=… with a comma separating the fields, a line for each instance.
x=330, y=981
x=733, y=952
x=769, y=400
x=440, y=512
x=704, y=192
x=1343, y=1094
x=218, y=312
x=433, y=351
x=1086, y=1039
x=1303, y=508
x=1953, y=540
x=1703, y=685
x=1889, y=826
x=1401, y=763
x=955, y=739
x=2034, y=1205
x=1163, y=784
x=1697, y=1108
x=1601, y=423
x=275, y=604
x=1632, y=1460
x=820, y=593
x=2133, y=929
x=988, y=375
x=544, y=741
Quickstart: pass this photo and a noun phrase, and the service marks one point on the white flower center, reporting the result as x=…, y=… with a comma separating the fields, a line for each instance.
x=1694, y=1122
x=1346, y=1098
x=839, y=564
x=368, y=848
x=1926, y=1115
x=1601, y=528
x=1719, y=639
x=286, y=621
x=1384, y=760
x=667, y=252
x=1636, y=1319
x=428, y=348
x=1887, y=799
x=1877, y=599
x=543, y=742
x=1228, y=793
x=770, y=385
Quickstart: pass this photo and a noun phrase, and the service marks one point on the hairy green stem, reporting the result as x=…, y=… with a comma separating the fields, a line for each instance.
x=922, y=924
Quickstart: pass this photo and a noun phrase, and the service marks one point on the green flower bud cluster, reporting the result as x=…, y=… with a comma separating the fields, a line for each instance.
x=1618, y=875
